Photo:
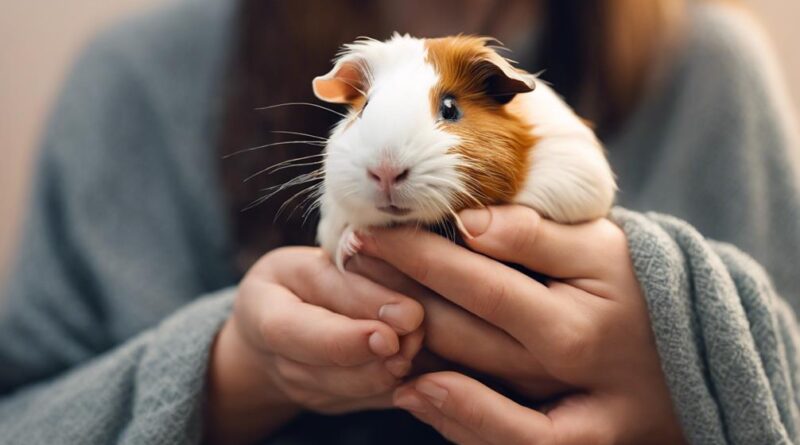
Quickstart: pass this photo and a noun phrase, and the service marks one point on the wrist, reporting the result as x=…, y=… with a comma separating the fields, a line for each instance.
x=243, y=403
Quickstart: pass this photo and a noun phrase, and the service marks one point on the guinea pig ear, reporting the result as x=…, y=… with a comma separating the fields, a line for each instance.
x=344, y=83
x=502, y=80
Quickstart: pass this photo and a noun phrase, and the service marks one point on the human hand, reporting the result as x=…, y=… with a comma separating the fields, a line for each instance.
x=304, y=336
x=588, y=328
x=458, y=339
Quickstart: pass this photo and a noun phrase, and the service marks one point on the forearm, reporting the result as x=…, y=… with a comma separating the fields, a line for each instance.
x=147, y=390
x=243, y=405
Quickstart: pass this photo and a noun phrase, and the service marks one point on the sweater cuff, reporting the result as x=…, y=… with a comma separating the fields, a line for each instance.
x=171, y=375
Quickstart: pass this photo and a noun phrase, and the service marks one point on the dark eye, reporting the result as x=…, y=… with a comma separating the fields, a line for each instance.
x=448, y=109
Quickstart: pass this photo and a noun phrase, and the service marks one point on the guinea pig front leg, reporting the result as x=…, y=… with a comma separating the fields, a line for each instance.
x=336, y=236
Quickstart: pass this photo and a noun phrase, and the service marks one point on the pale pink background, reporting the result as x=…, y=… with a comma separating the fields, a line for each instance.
x=38, y=39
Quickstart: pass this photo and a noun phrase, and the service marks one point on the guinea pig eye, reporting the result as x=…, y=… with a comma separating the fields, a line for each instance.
x=448, y=109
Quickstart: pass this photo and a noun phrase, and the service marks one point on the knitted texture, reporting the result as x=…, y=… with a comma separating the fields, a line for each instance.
x=726, y=341
x=101, y=340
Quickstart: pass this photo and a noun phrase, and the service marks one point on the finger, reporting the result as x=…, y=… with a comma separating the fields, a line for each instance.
x=328, y=404
x=519, y=235
x=320, y=283
x=400, y=364
x=353, y=382
x=500, y=295
x=451, y=332
x=381, y=401
x=486, y=413
x=419, y=407
x=314, y=335
x=460, y=337
x=381, y=272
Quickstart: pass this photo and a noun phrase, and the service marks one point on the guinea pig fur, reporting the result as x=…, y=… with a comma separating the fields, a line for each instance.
x=438, y=125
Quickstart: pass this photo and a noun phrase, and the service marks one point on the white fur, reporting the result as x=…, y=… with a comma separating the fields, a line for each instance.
x=397, y=124
x=569, y=178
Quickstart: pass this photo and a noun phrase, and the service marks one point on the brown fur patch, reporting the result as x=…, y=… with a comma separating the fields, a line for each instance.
x=495, y=141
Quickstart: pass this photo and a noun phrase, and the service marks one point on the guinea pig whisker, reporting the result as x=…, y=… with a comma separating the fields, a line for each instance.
x=298, y=180
x=273, y=144
x=309, y=104
x=314, y=206
x=286, y=164
x=458, y=188
x=297, y=133
x=314, y=195
x=449, y=210
x=305, y=190
x=312, y=199
x=274, y=190
x=467, y=191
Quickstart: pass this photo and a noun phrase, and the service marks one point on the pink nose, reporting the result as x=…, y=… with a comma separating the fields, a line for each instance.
x=387, y=176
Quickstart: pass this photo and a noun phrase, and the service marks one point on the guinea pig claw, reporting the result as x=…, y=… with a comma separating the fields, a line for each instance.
x=349, y=246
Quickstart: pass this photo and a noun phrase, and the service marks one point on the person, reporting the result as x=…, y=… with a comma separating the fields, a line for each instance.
x=129, y=317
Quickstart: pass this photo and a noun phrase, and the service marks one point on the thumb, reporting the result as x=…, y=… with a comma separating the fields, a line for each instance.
x=517, y=234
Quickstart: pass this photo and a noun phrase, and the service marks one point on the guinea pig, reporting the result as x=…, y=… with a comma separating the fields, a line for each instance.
x=438, y=125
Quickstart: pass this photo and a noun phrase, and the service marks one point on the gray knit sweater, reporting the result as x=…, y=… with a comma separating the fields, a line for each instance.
x=125, y=270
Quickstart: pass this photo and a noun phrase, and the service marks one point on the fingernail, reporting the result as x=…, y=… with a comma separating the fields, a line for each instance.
x=409, y=402
x=435, y=393
x=476, y=221
x=394, y=315
x=398, y=366
x=381, y=346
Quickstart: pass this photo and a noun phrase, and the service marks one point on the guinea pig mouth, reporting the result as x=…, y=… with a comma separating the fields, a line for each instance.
x=394, y=210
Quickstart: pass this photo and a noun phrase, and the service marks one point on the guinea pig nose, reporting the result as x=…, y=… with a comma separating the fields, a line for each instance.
x=387, y=176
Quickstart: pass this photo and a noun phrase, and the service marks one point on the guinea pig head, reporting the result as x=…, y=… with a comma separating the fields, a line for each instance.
x=428, y=130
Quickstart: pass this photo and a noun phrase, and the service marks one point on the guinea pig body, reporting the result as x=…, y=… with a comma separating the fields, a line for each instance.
x=438, y=125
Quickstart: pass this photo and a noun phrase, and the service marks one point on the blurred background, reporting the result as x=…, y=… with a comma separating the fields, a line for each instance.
x=38, y=40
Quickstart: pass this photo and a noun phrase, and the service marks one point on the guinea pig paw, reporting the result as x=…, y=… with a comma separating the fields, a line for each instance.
x=349, y=246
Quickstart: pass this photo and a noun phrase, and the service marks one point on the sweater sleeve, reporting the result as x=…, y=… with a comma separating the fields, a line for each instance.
x=727, y=342
x=116, y=240
x=147, y=390
x=717, y=146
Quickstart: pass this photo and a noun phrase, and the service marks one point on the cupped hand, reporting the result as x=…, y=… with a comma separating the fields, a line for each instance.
x=304, y=336
x=588, y=328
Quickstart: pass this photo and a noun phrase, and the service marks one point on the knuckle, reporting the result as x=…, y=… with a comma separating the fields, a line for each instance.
x=276, y=258
x=336, y=351
x=474, y=416
x=609, y=237
x=365, y=382
x=492, y=300
x=521, y=228
x=578, y=343
x=421, y=267
x=316, y=273
x=521, y=232
x=380, y=383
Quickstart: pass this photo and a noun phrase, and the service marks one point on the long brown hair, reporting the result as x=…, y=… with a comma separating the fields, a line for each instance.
x=597, y=53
